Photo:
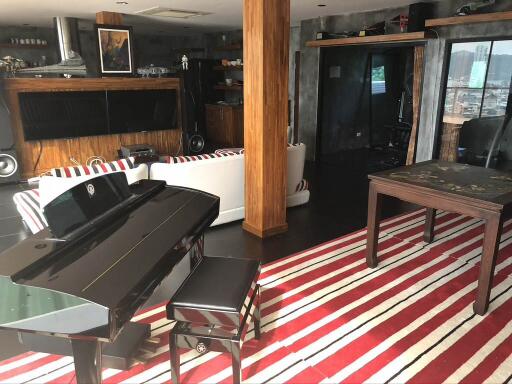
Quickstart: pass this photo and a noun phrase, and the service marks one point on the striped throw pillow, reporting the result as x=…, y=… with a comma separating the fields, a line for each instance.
x=99, y=169
x=237, y=151
x=303, y=186
x=186, y=159
x=27, y=204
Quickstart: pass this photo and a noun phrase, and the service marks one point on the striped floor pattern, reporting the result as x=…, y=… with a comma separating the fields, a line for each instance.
x=327, y=318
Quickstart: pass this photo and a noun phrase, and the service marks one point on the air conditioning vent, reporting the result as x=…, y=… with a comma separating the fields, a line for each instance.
x=172, y=13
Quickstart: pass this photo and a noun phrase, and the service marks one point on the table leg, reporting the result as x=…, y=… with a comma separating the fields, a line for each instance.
x=492, y=235
x=374, y=207
x=430, y=221
x=87, y=358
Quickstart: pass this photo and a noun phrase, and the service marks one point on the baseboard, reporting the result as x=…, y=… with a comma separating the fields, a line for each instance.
x=266, y=232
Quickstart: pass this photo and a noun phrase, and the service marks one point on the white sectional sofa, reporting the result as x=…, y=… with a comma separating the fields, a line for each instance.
x=224, y=176
x=221, y=174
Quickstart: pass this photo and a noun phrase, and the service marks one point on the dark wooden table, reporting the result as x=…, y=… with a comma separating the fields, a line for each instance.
x=473, y=191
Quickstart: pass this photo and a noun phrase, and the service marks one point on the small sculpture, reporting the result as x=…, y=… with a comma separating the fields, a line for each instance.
x=184, y=62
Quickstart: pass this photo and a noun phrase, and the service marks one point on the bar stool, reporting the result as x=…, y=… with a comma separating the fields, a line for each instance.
x=213, y=309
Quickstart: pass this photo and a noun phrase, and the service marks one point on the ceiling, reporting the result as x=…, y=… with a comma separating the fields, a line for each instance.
x=225, y=14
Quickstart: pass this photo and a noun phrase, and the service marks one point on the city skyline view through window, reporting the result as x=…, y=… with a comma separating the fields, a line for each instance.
x=479, y=79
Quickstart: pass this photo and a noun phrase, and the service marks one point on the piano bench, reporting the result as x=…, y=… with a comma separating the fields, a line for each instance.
x=213, y=309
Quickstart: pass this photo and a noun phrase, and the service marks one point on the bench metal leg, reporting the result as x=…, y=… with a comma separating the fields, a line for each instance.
x=175, y=358
x=257, y=316
x=236, y=362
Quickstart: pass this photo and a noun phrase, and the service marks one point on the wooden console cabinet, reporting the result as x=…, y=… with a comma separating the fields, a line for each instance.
x=40, y=156
x=225, y=125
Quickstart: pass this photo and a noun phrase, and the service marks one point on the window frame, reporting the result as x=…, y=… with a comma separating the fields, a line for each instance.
x=444, y=84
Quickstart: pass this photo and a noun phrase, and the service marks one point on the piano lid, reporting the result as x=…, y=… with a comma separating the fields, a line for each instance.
x=110, y=270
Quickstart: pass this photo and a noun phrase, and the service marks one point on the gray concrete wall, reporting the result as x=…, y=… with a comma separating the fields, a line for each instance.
x=310, y=64
x=435, y=56
x=30, y=55
x=294, y=46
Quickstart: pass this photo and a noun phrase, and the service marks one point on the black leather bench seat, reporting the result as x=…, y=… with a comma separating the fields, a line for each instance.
x=213, y=308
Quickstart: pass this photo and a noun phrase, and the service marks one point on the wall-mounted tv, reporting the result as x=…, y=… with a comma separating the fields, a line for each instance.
x=59, y=115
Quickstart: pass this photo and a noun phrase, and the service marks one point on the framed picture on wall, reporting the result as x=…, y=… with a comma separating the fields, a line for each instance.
x=115, y=50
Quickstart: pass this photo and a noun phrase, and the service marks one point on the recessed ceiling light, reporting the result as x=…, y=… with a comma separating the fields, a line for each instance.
x=173, y=13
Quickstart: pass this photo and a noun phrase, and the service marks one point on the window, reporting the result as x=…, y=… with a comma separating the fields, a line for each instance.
x=378, y=80
x=478, y=80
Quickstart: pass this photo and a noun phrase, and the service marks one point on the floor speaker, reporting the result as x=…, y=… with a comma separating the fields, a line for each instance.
x=194, y=143
x=9, y=164
x=9, y=167
x=6, y=139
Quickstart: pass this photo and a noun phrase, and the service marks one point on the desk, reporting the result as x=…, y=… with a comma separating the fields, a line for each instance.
x=472, y=191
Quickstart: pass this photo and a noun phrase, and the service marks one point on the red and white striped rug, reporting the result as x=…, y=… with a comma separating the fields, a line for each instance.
x=327, y=318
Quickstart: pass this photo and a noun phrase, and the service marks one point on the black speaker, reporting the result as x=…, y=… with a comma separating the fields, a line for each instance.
x=418, y=13
x=6, y=139
x=9, y=167
x=197, y=91
x=194, y=143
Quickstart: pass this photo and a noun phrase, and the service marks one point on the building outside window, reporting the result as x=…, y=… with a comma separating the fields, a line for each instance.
x=479, y=79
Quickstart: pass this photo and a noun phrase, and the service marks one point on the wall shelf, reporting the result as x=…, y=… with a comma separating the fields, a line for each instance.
x=230, y=47
x=229, y=68
x=480, y=18
x=23, y=46
x=234, y=87
x=377, y=39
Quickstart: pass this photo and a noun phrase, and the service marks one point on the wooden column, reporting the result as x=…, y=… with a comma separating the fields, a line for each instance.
x=111, y=18
x=266, y=44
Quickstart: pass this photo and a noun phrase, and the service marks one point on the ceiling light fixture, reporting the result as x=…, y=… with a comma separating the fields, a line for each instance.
x=173, y=13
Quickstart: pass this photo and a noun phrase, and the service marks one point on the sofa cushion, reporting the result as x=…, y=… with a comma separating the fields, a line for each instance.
x=27, y=204
x=97, y=169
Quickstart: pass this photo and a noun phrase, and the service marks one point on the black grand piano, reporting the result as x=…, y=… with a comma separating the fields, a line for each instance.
x=107, y=248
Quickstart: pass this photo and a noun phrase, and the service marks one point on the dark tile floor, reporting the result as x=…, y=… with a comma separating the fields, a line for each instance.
x=337, y=206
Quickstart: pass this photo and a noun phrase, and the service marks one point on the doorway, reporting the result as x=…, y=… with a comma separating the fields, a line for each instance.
x=366, y=107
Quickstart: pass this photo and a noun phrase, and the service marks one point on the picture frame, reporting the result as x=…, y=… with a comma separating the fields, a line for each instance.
x=115, y=50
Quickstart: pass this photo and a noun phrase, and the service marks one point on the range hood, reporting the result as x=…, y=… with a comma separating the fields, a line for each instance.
x=68, y=40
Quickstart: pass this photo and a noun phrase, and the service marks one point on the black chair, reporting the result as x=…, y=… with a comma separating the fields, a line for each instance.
x=213, y=309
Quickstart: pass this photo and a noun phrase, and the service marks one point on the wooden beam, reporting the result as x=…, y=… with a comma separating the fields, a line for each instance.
x=377, y=39
x=266, y=57
x=419, y=54
x=112, y=18
x=479, y=18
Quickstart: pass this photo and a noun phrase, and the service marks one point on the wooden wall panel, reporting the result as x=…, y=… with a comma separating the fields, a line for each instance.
x=419, y=55
x=57, y=153
x=266, y=58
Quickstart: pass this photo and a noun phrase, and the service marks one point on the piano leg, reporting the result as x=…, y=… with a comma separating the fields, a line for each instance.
x=87, y=357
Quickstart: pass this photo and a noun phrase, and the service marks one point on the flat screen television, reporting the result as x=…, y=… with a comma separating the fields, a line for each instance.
x=59, y=115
